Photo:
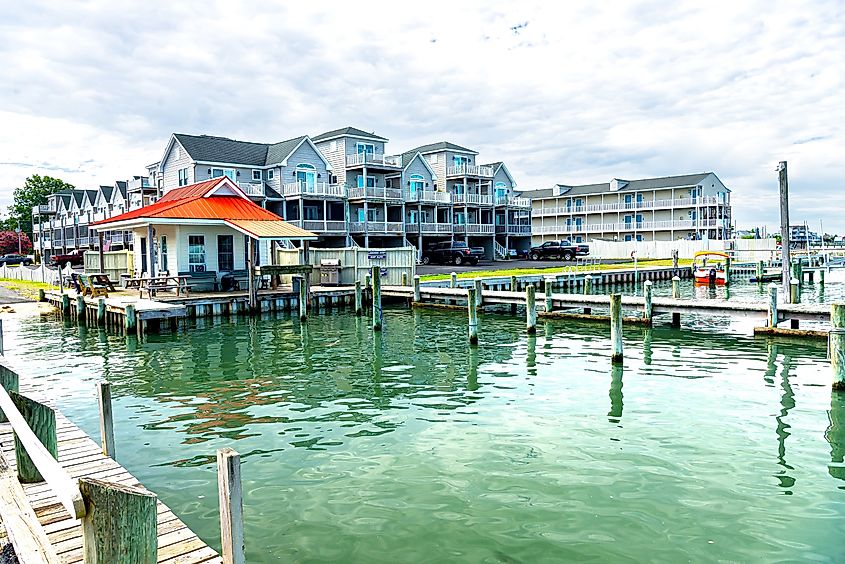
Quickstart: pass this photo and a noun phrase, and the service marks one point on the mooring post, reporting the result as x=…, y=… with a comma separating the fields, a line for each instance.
x=530, y=309
x=404, y=279
x=479, y=292
x=773, y=305
x=588, y=285
x=359, y=307
x=417, y=297
x=616, y=327
x=131, y=320
x=548, y=295
x=101, y=312
x=42, y=420
x=367, y=282
x=676, y=287
x=106, y=419
x=9, y=380
x=794, y=291
x=303, y=299
x=120, y=524
x=760, y=271
x=821, y=276
x=377, y=313
x=728, y=270
x=453, y=280
x=65, y=305
x=647, y=306
x=231, y=506
x=836, y=345
x=80, y=308
x=41, y=296
x=514, y=287
x=473, y=315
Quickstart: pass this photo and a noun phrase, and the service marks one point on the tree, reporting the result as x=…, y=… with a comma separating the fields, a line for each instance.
x=34, y=192
x=9, y=242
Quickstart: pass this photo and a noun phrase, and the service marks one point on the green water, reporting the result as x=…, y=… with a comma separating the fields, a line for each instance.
x=410, y=447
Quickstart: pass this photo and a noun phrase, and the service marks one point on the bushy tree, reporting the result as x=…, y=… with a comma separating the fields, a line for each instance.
x=34, y=192
x=9, y=243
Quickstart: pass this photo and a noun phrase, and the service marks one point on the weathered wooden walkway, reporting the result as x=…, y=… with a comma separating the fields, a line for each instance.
x=81, y=457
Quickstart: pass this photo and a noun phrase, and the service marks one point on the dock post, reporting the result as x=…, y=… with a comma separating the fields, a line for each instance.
x=647, y=306
x=404, y=279
x=728, y=270
x=836, y=345
x=131, y=319
x=473, y=315
x=479, y=292
x=760, y=270
x=417, y=297
x=101, y=312
x=359, y=308
x=453, y=280
x=106, y=419
x=231, y=506
x=367, y=282
x=80, y=308
x=616, y=327
x=821, y=276
x=794, y=291
x=773, y=305
x=377, y=313
x=9, y=380
x=514, y=287
x=530, y=310
x=120, y=525
x=676, y=287
x=303, y=299
x=588, y=285
x=42, y=420
x=41, y=296
x=549, y=296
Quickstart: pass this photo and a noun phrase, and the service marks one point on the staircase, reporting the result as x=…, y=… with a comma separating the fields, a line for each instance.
x=285, y=244
x=500, y=251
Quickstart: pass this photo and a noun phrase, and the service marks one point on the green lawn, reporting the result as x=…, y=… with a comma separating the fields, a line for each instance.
x=551, y=270
x=26, y=288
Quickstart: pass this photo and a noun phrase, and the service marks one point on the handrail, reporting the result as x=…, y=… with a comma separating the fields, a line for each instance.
x=65, y=488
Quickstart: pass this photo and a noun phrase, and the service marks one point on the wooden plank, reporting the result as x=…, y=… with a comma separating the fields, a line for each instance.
x=22, y=527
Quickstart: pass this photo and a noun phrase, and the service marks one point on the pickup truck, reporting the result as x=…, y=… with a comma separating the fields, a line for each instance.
x=450, y=252
x=75, y=258
x=558, y=249
x=14, y=258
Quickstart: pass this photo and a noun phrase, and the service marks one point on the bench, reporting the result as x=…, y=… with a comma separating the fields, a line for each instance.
x=206, y=279
x=90, y=288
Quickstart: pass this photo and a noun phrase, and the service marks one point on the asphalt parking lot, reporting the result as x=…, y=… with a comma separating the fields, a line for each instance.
x=497, y=265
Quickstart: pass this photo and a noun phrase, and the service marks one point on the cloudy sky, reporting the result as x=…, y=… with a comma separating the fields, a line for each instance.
x=571, y=92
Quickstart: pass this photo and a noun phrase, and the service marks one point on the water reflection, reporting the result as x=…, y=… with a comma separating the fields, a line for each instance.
x=616, y=404
x=787, y=402
x=835, y=435
x=647, y=351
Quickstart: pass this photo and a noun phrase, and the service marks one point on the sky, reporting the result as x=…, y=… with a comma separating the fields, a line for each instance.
x=562, y=92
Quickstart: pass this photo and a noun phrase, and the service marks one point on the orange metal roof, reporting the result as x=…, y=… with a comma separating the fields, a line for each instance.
x=270, y=229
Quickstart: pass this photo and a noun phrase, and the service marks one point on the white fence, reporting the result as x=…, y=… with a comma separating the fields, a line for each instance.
x=116, y=263
x=356, y=262
x=45, y=274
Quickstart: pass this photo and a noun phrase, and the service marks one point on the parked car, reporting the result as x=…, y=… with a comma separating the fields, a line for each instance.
x=14, y=258
x=558, y=250
x=75, y=258
x=450, y=252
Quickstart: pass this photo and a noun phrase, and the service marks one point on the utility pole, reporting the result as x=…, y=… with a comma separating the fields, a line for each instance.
x=784, y=225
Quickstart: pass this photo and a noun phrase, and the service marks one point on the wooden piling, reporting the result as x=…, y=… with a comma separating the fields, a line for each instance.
x=647, y=305
x=65, y=305
x=479, y=292
x=131, y=319
x=530, y=309
x=760, y=271
x=404, y=279
x=9, y=380
x=821, y=276
x=514, y=284
x=359, y=307
x=106, y=419
x=453, y=280
x=377, y=312
x=101, y=312
x=80, y=308
x=616, y=327
x=773, y=305
x=42, y=420
x=676, y=287
x=41, y=295
x=728, y=270
x=473, y=315
x=303, y=299
x=231, y=506
x=836, y=345
x=588, y=284
x=417, y=296
x=794, y=291
x=549, y=296
x=119, y=525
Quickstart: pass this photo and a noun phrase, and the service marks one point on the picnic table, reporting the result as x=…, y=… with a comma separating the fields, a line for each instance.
x=152, y=284
x=101, y=279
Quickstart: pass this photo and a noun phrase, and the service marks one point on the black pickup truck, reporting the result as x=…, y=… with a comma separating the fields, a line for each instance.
x=454, y=252
x=563, y=250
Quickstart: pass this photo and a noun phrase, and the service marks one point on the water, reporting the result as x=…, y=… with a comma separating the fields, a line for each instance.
x=409, y=446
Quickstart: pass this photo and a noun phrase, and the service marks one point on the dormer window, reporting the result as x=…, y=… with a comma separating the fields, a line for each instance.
x=256, y=175
x=270, y=174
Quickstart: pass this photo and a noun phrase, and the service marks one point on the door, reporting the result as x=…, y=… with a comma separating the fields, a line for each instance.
x=306, y=177
x=628, y=201
x=144, y=255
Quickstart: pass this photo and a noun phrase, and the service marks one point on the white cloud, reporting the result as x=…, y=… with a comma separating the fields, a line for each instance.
x=563, y=92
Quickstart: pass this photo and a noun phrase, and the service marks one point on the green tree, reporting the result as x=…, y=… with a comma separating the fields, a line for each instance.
x=34, y=192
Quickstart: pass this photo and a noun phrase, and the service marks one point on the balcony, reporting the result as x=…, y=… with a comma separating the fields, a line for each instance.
x=428, y=197
x=254, y=189
x=474, y=228
x=626, y=206
x=375, y=193
x=376, y=227
x=429, y=228
x=314, y=189
x=514, y=229
x=373, y=159
x=473, y=199
x=470, y=170
x=320, y=225
x=43, y=209
x=632, y=226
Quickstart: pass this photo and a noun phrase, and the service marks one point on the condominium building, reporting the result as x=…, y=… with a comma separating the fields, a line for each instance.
x=691, y=206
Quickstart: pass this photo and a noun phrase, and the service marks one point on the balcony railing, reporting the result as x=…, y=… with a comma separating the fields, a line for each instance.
x=428, y=227
x=474, y=199
x=320, y=225
x=514, y=229
x=469, y=170
x=632, y=226
x=428, y=196
x=375, y=193
x=252, y=188
x=475, y=228
x=314, y=189
x=374, y=159
x=635, y=205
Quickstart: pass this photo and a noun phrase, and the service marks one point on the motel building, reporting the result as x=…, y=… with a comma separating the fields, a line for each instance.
x=203, y=230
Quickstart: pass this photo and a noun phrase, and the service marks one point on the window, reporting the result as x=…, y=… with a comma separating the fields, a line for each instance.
x=371, y=181
x=183, y=177
x=460, y=218
x=270, y=174
x=458, y=160
x=628, y=220
x=361, y=217
x=162, y=248
x=218, y=172
x=578, y=203
x=371, y=214
x=310, y=212
x=388, y=183
x=365, y=148
x=579, y=239
x=196, y=253
x=459, y=189
x=628, y=238
x=412, y=216
x=256, y=175
x=225, y=252
x=578, y=221
x=432, y=158
x=415, y=184
x=639, y=237
x=501, y=191
x=306, y=176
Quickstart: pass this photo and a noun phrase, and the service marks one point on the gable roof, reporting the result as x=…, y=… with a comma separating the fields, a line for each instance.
x=208, y=148
x=347, y=132
x=214, y=201
x=106, y=192
x=500, y=165
x=631, y=185
x=408, y=158
x=441, y=146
